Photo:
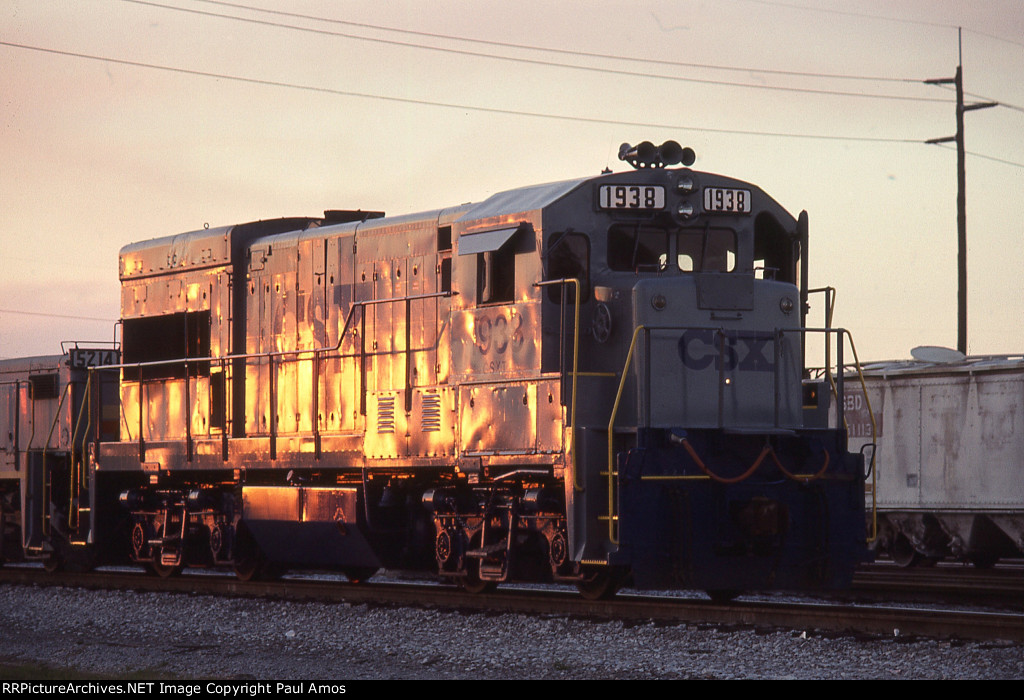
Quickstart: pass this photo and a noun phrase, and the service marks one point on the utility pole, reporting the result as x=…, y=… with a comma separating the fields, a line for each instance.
x=961, y=196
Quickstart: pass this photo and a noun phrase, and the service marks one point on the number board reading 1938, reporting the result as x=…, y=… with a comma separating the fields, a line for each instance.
x=726, y=199
x=632, y=196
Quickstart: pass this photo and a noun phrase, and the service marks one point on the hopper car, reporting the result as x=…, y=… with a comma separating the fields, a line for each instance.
x=950, y=446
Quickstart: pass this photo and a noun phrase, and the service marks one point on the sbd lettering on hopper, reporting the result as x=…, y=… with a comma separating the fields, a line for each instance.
x=598, y=381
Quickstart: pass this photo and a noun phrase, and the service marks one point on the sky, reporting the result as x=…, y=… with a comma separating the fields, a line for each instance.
x=124, y=120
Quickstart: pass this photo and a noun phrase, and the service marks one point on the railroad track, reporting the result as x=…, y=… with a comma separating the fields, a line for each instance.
x=756, y=611
x=1003, y=585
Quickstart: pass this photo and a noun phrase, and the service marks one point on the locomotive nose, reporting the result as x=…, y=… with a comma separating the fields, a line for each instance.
x=710, y=354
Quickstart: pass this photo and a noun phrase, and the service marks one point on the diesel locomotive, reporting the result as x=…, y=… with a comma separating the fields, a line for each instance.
x=597, y=381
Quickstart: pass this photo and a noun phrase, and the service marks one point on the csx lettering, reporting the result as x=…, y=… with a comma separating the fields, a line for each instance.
x=729, y=350
x=498, y=334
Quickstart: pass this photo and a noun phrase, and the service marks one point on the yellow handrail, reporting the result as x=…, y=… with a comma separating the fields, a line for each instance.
x=830, y=307
x=575, y=373
x=841, y=413
x=611, y=425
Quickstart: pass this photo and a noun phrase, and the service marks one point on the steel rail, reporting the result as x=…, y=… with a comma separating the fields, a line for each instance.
x=880, y=620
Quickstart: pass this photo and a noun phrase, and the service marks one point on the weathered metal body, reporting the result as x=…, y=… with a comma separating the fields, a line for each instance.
x=578, y=381
x=46, y=414
x=949, y=449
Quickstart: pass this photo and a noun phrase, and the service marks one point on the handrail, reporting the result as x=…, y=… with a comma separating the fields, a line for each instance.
x=611, y=426
x=56, y=418
x=73, y=482
x=46, y=444
x=575, y=362
x=277, y=353
x=874, y=435
x=83, y=410
x=830, y=305
x=315, y=354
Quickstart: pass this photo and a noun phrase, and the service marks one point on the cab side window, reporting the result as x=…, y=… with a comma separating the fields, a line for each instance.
x=496, y=276
x=495, y=253
x=568, y=258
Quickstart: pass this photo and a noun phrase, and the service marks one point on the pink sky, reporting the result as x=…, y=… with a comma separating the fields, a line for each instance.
x=98, y=154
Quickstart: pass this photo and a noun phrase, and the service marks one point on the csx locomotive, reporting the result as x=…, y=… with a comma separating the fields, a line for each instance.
x=594, y=381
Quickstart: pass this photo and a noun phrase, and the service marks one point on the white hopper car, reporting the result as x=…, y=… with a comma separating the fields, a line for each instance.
x=950, y=455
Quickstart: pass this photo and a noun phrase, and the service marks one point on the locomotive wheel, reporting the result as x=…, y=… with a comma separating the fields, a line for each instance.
x=65, y=557
x=359, y=574
x=600, y=583
x=164, y=570
x=250, y=562
x=247, y=569
x=472, y=583
x=256, y=568
x=53, y=563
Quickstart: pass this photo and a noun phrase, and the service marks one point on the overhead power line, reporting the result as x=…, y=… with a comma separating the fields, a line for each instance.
x=39, y=313
x=546, y=63
x=1007, y=105
x=866, y=15
x=546, y=49
x=453, y=105
x=1004, y=161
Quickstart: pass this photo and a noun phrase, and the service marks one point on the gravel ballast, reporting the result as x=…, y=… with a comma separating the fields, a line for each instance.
x=192, y=637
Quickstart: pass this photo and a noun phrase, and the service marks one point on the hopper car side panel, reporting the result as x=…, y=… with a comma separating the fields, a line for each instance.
x=950, y=447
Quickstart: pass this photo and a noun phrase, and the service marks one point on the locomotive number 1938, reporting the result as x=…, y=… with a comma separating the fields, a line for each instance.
x=632, y=196
x=727, y=199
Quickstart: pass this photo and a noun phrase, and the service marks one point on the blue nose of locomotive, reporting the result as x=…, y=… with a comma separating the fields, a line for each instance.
x=726, y=487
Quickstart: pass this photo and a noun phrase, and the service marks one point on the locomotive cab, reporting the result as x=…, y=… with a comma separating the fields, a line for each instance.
x=693, y=464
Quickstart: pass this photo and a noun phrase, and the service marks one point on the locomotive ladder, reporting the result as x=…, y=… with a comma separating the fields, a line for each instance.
x=836, y=386
x=501, y=549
